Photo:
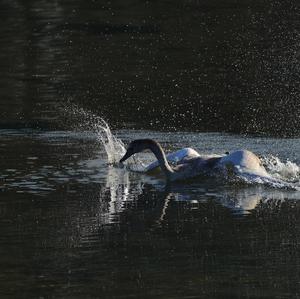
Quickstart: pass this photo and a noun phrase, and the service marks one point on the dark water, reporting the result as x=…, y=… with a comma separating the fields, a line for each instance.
x=189, y=64
x=73, y=226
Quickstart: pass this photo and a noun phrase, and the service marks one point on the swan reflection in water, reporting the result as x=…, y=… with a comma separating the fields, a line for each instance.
x=124, y=188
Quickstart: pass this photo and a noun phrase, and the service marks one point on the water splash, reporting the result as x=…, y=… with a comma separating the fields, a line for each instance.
x=113, y=146
x=86, y=121
x=282, y=170
x=282, y=175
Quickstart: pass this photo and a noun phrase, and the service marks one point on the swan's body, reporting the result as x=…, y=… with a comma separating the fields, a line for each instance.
x=191, y=164
x=177, y=157
x=246, y=162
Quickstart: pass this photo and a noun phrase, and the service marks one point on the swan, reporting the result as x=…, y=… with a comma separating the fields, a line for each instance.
x=191, y=164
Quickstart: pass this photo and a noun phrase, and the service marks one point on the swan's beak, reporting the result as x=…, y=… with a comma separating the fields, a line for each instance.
x=127, y=155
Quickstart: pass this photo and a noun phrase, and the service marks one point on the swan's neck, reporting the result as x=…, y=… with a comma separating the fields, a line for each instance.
x=162, y=160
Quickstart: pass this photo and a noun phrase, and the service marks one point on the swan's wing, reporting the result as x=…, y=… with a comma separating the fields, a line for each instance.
x=176, y=157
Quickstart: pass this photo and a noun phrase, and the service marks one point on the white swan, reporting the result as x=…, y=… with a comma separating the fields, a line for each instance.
x=191, y=164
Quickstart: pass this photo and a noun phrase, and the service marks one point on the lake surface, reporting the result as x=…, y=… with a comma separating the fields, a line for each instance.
x=216, y=76
x=73, y=226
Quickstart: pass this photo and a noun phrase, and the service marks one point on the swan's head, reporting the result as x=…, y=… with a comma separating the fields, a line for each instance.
x=137, y=146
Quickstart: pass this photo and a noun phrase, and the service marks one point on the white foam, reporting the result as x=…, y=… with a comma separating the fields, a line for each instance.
x=283, y=175
x=284, y=170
